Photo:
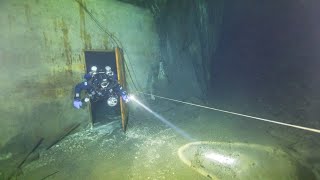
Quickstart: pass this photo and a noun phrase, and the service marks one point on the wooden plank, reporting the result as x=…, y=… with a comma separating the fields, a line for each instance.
x=33, y=149
x=122, y=82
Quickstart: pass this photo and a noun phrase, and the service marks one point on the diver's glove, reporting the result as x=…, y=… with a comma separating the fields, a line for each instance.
x=77, y=103
x=125, y=98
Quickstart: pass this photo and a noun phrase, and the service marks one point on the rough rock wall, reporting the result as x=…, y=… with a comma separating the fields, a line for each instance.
x=41, y=57
x=188, y=32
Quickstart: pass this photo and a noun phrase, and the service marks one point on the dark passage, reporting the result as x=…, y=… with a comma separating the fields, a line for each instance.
x=267, y=61
x=101, y=112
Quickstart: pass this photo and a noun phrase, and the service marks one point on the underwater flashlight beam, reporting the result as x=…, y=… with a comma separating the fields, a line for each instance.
x=238, y=114
x=162, y=119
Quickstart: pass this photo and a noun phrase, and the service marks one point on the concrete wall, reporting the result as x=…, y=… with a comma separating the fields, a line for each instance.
x=41, y=59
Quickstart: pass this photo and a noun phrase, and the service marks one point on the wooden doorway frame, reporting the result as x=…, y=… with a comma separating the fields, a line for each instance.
x=123, y=83
x=121, y=80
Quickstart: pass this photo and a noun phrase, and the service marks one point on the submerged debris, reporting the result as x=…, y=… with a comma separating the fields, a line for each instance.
x=18, y=170
x=64, y=134
x=50, y=175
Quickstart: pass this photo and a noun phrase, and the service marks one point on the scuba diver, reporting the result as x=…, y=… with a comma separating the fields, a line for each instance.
x=100, y=85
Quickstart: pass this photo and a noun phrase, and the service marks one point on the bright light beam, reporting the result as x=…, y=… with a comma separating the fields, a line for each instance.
x=220, y=158
x=132, y=97
x=162, y=119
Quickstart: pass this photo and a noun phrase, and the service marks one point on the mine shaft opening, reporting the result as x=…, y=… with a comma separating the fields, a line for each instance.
x=101, y=112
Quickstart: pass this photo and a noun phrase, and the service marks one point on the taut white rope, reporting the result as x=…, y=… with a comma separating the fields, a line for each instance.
x=238, y=114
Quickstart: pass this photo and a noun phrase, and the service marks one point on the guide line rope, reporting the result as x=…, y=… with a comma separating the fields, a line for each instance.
x=238, y=114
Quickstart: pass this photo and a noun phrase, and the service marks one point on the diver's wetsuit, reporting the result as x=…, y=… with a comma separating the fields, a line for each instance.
x=99, y=86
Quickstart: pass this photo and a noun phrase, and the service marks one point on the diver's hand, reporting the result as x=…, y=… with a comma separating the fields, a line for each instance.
x=77, y=103
x=125, y=98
